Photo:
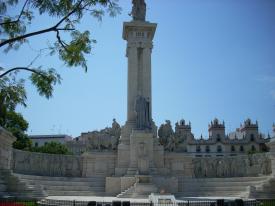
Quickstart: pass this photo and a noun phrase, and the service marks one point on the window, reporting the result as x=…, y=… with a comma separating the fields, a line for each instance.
x=218, y=138
x=252, y=138
x=253, y=148
x=207, y=148
x=198, y=148
x=36, y=144
x=219, y=148
x=45, y=143
x=232, y=148
x=241, y=148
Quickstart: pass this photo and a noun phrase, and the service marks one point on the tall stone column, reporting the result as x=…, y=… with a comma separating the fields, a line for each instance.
x=139, y=36
x=132, y=54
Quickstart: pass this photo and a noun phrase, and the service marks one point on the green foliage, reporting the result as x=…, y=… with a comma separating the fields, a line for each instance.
x=52, y=148
x=44, y=81
x=17, y=125
x=14, y=31
x=73, y=53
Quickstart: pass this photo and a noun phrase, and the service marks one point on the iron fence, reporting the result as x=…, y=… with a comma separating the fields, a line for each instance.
x=220, y=202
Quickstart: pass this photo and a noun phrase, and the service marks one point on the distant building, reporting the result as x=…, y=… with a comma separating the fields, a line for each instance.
x=245, y=139
x=41, y=140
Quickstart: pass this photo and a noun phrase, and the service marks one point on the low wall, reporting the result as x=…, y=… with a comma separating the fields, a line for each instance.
x=99, y=163
x=41, y=164
x=180, y=164
x=271, y=146
x=86, y=165
x=239, y=166
x=6, y=140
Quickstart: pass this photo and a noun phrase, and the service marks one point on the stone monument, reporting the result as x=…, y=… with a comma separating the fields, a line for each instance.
x=139, y=155
x=139, y=130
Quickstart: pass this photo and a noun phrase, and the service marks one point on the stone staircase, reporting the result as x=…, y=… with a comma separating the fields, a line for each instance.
x=11, y=186
x=238, y=187
x=66, y=186
x=3, y=186
x=264, y=191
x=139, y=190
x=142, y=188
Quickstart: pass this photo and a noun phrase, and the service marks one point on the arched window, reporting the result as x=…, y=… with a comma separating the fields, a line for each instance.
x=219, y=148
x=232, y=148
x=198, y=148
x=253, y=148
x=252, y=138
x=241, y=148
x=207, y=148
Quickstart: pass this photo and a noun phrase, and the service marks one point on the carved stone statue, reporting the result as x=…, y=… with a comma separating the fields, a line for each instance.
x=142, y=109
x=138, y=10
x=115, y=130
x=166, y=134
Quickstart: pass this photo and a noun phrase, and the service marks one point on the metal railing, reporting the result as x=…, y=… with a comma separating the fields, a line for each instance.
x=221, y=202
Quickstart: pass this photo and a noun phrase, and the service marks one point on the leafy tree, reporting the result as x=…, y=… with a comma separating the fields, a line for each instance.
x=52, y=148
x=15, y=31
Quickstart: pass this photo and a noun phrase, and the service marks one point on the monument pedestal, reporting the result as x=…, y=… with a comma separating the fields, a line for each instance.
x=141, y=152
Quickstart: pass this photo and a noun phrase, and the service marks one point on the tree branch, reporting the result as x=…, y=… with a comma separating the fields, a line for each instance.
x=51, y=29
x=62, y=43
x=18, y=18
x=22, y=68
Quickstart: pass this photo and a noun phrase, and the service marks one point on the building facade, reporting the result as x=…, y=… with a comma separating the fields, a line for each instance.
x=41, y=140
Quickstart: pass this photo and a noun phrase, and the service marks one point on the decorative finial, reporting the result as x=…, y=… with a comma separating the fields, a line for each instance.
x=138, y=10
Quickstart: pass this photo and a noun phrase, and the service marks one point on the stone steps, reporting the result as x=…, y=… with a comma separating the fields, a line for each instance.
x=139, y=190
x=228, y=179
x=266, y=190
x=65, y=179
x=213, y=194
x=126, y=193
x=11, y=186
x=75, y=188
x=65, y=186
x=74, y=193
x=215, y=187
x=98, y=183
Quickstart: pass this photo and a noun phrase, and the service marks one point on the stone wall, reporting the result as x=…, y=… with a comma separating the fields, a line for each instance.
x=238, y=166
x=271, y=146
x=6, y=140
x=47, y=164
x=99, y=163
x=180, y=164
x=86, y=165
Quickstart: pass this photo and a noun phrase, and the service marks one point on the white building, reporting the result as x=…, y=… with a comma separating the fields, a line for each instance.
x=41, y=140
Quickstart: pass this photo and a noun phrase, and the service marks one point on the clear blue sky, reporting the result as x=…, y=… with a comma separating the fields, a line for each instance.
x=211, y=58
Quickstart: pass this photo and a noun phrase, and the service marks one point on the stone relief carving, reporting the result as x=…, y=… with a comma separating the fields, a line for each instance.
x=47, y=164
x=105, y=139
x=138, y=10
x=142, y=109
x=251, y=165
x=166, y=136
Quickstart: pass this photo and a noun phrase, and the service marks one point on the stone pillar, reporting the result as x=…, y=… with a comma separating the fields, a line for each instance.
x=147, y=80
x=132, y=55
x=271, y=146
x=6, y=140
x=139, y=37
